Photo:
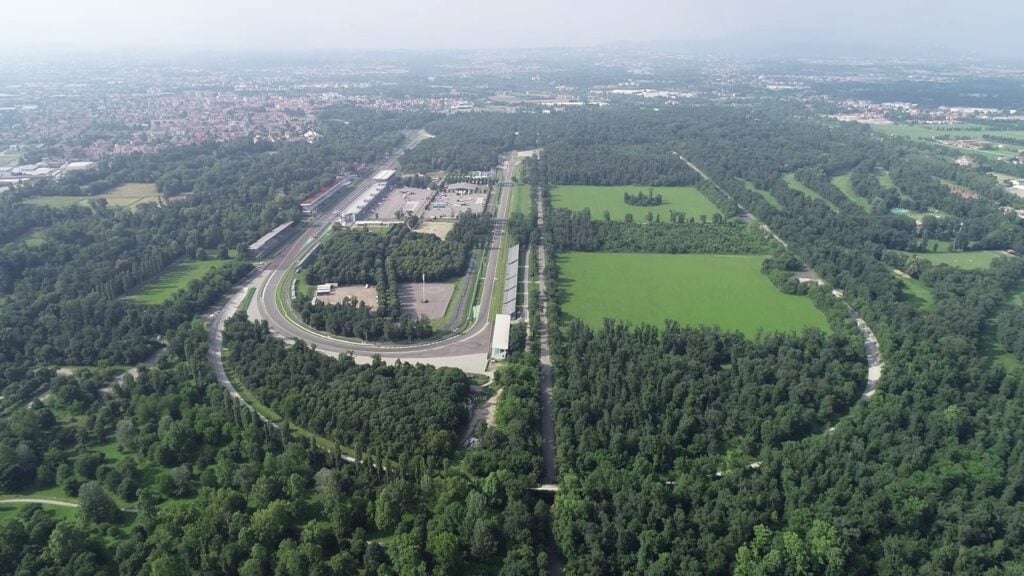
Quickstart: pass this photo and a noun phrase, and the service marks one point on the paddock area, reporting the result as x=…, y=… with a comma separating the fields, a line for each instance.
x=439, y=229
x=438, y=296
x=365, y=294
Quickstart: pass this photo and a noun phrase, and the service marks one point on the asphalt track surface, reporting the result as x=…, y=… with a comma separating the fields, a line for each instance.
x=473, y=342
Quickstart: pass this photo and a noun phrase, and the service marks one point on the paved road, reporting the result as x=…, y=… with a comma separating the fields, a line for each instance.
x=470, y=348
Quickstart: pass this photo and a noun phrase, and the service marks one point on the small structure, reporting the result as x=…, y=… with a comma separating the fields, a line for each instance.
x=324, y=289
x=460, y=188
x=499, y=341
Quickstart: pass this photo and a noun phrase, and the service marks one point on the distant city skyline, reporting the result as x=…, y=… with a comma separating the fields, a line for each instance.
x=795, y=27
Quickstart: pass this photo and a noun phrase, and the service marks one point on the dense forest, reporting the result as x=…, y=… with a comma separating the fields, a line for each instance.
x=680, y=450
x=919, y=479
x=600, y=147
x=576, y=231
x=394, y=413
x=210, y=488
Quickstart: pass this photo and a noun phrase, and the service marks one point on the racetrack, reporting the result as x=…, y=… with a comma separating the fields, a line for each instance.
x=467, y=350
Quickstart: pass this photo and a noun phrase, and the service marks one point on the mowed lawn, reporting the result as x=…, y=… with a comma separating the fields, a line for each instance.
x=763, y=193
x=521, y=199
x=174, y=279
x=128, y=195
x=845, y=185
x=600, y=198
x=693, y=289
x=799, y=186
x=964, y=260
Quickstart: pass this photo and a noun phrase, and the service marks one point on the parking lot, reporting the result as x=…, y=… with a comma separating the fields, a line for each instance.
x=448, y=205
x=403, y=200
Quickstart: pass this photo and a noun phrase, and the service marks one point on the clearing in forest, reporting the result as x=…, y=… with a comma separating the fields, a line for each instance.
x=964, y=260
x=920, y=294
x=959, y=135
x=799, y=186
x=763, y=193
x=365, y=293
x=845, y=185
x=693, y=289
x=685, y=199
x=439, y=229
x=173, y=279
x=129, y=195
x=885, y=180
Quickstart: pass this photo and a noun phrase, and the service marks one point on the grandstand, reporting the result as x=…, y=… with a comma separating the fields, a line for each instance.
x=508, y=301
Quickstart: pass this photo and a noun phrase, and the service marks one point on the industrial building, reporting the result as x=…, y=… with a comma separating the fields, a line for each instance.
x=270, y=241
x=499, y=340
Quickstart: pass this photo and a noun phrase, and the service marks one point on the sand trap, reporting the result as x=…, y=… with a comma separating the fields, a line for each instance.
x=439, y=229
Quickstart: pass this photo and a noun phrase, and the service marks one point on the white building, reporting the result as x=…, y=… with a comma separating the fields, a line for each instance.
x=499, y=341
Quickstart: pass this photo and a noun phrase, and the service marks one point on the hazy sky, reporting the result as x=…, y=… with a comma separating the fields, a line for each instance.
x=301, y=25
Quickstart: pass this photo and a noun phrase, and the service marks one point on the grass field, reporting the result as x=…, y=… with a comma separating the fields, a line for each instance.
x=920, y=294
x=521, y=199
x=8, y=511
x=795, y=184
x=129, y=196
x=845, y=185
x=764, y=194
x=946, y=131
x=963, y=260
x=885, y=180
x=174, y=279
x=693, y=289
x=990, y=345
x=8, y=159
x=601, y=198
x=929, y=133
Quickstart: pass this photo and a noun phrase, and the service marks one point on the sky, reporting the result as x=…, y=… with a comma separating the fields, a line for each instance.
x=154, y=26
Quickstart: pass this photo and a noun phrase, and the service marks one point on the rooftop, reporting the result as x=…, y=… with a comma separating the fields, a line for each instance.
x=502, y=327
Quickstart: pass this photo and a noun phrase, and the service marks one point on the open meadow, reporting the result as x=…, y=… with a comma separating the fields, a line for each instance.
x=965, y=260
x=693, y=289
x=129, y=195
x=174, y=279
x=799, y=186
x=845, y=185
x=763, y=193
x=600, y=198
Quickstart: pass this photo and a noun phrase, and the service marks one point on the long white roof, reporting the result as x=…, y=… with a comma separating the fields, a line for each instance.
x=502, y=327
x=384, y=175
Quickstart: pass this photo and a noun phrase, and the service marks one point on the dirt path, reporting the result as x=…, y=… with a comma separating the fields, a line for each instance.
x=484, y=412
x=547, y=414
x=38, y=501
